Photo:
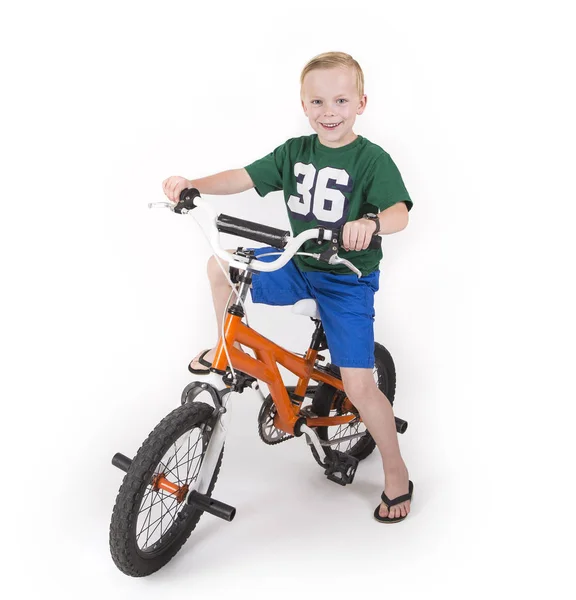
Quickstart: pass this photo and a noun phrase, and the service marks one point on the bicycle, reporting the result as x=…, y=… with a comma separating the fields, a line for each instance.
x=169, y=483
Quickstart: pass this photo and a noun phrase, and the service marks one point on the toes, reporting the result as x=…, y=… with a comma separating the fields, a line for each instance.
x=395, y=512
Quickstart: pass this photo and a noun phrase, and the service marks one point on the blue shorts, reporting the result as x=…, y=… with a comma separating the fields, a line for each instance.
x=345, y=304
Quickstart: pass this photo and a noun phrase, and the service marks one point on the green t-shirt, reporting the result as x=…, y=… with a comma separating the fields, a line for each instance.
x=326, y=187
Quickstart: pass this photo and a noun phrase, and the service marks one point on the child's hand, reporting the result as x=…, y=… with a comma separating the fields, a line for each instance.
x=357, y=235
x=173, y=186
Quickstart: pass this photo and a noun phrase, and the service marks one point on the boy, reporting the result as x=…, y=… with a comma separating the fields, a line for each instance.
x=328, y=180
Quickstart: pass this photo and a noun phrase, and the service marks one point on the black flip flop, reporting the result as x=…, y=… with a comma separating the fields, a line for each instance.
x=202, y=362
x=393, y=502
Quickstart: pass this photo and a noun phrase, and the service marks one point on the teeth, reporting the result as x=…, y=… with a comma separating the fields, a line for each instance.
x=330, y=124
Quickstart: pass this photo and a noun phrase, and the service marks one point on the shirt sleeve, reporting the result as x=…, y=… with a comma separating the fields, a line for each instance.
x=266, y=173
x=385, y=185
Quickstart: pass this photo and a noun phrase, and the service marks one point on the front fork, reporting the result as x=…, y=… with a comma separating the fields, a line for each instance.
x=218, y=424
x=196, y=494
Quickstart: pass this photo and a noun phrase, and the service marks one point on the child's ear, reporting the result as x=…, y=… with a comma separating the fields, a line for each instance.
x=362, y=105
x=304, y=107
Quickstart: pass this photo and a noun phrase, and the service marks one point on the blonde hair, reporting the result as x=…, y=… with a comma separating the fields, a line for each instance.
x=329, y=60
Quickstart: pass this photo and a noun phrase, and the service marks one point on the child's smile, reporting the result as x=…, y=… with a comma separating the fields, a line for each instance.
x=331, y=125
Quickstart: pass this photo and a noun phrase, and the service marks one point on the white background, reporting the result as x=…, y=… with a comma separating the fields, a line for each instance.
x=104, y=302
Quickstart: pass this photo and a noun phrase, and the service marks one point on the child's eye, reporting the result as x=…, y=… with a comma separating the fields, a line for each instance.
x=342, y=100
x=316, y=102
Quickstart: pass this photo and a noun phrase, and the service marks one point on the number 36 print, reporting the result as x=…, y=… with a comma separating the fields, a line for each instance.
x=320, y=194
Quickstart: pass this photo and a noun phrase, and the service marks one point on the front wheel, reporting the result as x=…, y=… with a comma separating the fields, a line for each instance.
x=328, y=401
x=149, y=525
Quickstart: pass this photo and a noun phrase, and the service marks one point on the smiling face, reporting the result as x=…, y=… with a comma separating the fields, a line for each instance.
x=331, y=101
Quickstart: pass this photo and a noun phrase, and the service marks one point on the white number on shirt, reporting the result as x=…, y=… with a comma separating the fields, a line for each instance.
x=320, y=194
x=302, y=203
x=329, y=201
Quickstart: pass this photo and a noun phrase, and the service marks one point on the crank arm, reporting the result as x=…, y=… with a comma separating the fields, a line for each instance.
x=313, y=440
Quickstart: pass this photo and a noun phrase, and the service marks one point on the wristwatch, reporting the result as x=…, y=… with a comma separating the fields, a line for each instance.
x=373, y=217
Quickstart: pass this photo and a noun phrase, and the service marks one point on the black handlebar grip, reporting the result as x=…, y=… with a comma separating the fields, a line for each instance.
x=186, y=201
x=375, y=242
x=253, y=231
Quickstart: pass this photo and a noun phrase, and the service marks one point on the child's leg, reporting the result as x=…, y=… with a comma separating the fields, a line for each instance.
x=376, y=413
x=346, y=305
x=283, y=287
x=220, y=292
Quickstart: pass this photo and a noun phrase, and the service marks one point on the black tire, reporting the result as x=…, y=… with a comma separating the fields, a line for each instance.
x=328, y=401
x=190, y=426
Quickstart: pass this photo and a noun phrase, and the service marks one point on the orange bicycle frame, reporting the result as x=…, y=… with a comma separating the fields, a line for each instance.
x=265, y=368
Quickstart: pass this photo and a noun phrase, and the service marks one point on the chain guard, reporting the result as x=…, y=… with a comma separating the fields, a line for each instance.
x=268, y=433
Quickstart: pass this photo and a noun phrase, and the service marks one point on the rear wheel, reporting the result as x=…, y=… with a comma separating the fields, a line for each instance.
x=149, y=525
x=328, y=401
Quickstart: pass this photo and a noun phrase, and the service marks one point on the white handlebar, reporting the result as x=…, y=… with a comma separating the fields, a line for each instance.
x=258, y=265
x=213, y=235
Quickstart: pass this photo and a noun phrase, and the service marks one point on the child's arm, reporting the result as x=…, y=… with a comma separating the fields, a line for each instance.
x=356, y=235
x=227, y=182
x=393, y=218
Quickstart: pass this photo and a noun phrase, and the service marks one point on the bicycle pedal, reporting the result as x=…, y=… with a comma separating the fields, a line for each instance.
x=241, y=383
x=341, y=467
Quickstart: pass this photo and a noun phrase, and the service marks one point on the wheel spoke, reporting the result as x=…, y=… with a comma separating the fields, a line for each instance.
x=174, y=469
x=148, y=516
x=337, y=431
x=158, y=522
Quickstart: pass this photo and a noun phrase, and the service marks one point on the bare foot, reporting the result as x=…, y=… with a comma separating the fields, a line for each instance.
x=396, y=485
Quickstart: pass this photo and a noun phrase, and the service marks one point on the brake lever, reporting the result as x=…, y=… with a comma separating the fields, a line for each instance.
x=169, y=205
x=336, y=260
x=330, y=255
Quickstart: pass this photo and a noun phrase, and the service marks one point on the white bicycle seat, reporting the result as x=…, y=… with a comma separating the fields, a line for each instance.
x=307, y=307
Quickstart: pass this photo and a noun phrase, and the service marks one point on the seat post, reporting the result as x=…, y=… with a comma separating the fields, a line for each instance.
x=318, y=337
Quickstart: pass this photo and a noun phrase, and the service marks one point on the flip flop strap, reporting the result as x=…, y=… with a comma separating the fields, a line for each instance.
x=397, y=500
x=202, y=361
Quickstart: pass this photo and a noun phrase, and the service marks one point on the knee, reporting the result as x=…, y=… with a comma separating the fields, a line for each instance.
x=215, y=274
x=361, y=390
x=359, y=393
